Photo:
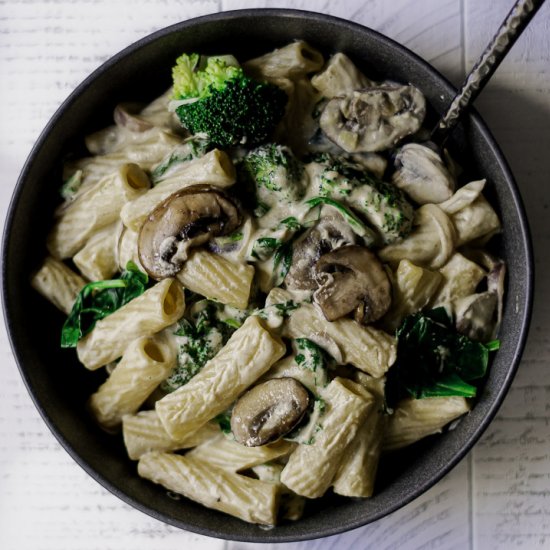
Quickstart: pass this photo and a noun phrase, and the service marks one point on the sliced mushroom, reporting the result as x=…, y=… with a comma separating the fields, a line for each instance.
x=352, y=279
x=329, y=233
x=422, y=174
x=184, y=220
x=268, y=411
x=373, y=119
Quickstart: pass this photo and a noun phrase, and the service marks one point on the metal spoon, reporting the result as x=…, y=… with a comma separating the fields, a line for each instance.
x=513, y=25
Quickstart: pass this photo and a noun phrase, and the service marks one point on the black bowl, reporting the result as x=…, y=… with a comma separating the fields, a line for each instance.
x=60, y=387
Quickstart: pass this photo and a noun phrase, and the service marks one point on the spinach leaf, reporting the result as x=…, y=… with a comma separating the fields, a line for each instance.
x=224, y=421
x=434, y=360
x=98, y=299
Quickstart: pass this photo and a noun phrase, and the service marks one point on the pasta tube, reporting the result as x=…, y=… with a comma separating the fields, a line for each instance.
x=431, y=243
x=94, y=209
x=414, y=419
x=58, y=283
x=295, y=60
x=216, y=277
x=311, y=468
x=357, y=471
x=230, y=455
x=111, y=149
x=460, y=278
x=339, y=77
x=214, y=168
x=143, y=432
x=248, y=354
x=145, y=364
x=97, y=260
x=127, y=249
x=413, y=288
x=158, y=307
x=249, y=499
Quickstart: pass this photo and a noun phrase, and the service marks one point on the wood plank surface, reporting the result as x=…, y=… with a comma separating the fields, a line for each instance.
x=499, y=496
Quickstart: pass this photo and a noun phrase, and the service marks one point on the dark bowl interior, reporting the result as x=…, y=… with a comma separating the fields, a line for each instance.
x=60, y=387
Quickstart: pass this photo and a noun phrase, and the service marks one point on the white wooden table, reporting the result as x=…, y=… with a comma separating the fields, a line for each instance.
x=499, y=496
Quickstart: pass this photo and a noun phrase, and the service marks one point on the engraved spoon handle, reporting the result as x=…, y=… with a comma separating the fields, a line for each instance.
x=517, y=19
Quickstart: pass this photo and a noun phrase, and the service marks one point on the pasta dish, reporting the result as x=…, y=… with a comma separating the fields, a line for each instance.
x=280, y=276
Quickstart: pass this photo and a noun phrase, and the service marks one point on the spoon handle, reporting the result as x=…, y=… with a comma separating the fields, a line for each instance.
x=517, y=19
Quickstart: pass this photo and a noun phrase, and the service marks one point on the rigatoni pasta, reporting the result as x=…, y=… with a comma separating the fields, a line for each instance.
x=98, y=207
x=158, y=308
x=146, y=362
x=97, y=260
x=143, y=433
x=311, y=468
x=246, y=498
x=58, y=283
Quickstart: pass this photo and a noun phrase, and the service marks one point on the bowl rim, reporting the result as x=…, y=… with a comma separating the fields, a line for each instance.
x=473, y=117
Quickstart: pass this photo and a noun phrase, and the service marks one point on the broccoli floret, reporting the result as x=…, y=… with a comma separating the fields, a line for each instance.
x=277, y=175
x=219, y=100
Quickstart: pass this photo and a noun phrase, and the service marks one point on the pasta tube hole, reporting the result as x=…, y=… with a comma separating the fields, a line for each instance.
x=136, y=178
x=171, y=299
x=154, y=352
x=225, y=163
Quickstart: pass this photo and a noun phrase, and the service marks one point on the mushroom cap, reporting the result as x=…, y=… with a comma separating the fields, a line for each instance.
x=352, y=279
x=328, y=233
x=268, y=411
x=186, y=219
x=373, y=119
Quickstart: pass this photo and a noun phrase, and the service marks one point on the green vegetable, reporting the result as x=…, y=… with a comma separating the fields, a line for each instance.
x=382, y=204
x=434, y=360
x=291, y=223
x=71, y=185
x=281, y=310
x=264, y=247
x=199, y=338
x=224, y=422
x=354, y=222
x=275, y=173
x=98, y=299
x=219, y=100
x=282, y=260
x=311, y=357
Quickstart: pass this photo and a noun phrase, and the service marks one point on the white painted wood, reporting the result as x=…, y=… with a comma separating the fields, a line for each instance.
x=432, y=29
x=48, y=502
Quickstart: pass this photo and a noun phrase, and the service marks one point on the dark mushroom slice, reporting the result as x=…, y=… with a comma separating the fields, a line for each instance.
x=268, y=411
x=352, y=279
x=373, y=119
x=186, y=219
x=328, y=233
